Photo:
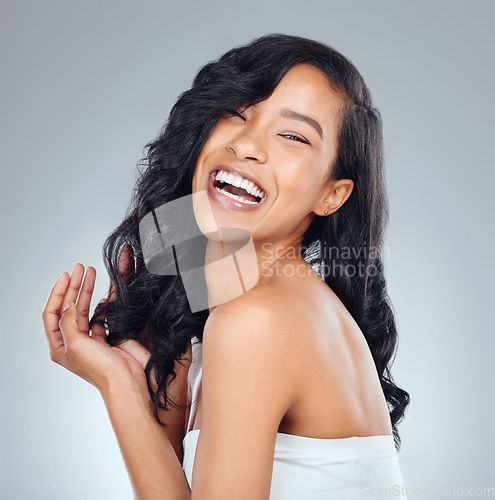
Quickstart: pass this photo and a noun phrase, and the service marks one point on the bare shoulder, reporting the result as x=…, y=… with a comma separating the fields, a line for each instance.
x=282, y=322
x=258, y=322
x=259, y=301
x=271, y=304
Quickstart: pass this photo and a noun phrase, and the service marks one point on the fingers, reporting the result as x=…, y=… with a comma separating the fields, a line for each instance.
x=51, y=314
x=84, y=301
x=75, y=283
x=66, y=289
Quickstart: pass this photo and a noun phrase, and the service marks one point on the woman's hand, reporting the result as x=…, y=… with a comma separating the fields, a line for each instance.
x=87, y=354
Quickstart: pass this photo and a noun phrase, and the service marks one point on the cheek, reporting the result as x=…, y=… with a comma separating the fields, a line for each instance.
x=194, y=186
x=201, y=168
x=301, y=185
x=198, y=175
x=211, y=146
x=218, y=135
x=298, y=196
x=296, y=177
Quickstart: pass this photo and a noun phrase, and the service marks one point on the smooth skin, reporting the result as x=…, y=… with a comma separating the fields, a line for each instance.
x=284, y=357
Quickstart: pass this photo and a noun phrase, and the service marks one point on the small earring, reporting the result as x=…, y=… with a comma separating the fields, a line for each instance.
x=325, y=212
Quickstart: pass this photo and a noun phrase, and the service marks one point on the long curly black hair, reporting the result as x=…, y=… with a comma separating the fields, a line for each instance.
x=154, y=309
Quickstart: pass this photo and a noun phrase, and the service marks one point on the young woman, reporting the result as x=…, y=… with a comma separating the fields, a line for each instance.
x=282, y=390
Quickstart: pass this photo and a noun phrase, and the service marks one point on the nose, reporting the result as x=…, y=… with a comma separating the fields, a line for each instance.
x=249, y=145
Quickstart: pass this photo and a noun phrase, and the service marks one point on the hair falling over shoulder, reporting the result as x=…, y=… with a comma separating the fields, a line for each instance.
x=154, y=309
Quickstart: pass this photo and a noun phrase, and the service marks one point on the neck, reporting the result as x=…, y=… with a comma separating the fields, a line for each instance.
x=235, y=265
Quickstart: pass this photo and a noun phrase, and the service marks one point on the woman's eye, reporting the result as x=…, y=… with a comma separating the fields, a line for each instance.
x=292, y=137
x=236, y=113
x=240, y=115
x=296, y=138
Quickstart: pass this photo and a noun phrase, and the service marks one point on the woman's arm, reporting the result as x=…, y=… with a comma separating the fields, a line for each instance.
x=150, y=458
x=249, y=382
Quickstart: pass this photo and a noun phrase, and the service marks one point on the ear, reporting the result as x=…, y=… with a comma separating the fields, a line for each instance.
x=335, y=195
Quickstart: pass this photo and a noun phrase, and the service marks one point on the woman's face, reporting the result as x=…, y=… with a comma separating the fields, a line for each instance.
x=285, y=145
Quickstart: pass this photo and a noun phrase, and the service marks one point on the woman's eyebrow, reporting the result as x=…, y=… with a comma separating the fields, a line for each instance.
x=289, y=113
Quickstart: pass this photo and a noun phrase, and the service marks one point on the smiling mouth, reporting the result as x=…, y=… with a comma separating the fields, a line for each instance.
x=237, y=187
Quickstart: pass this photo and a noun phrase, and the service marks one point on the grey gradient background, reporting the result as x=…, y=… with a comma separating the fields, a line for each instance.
x=86, y=84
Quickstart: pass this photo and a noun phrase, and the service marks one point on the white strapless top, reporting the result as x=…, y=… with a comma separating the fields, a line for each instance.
x=313, y=468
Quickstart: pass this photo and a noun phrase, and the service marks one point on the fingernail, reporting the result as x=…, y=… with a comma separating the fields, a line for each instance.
x=66, y=307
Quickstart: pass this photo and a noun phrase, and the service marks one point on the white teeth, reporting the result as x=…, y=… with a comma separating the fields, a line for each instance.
x=235, y=197
x=238, y=181
x=230, y=178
